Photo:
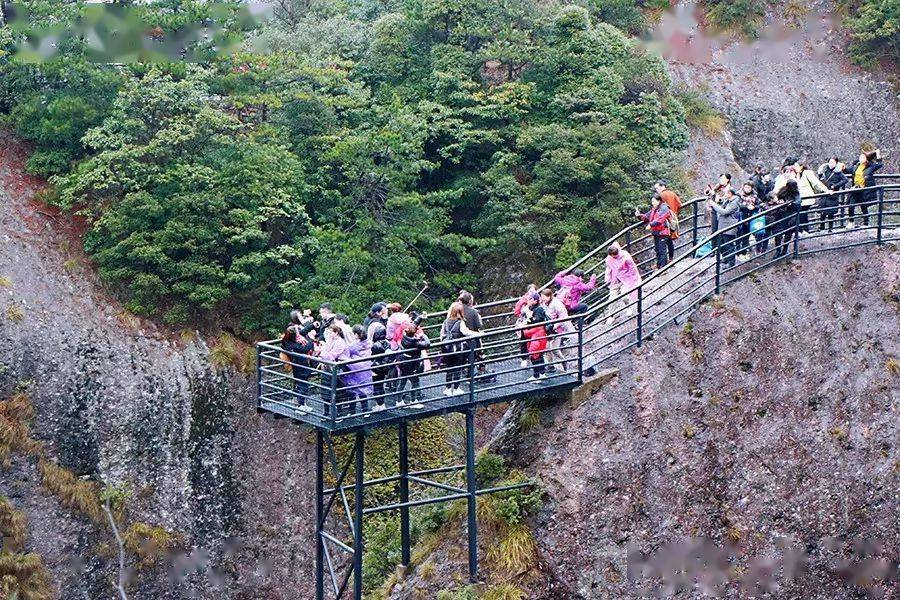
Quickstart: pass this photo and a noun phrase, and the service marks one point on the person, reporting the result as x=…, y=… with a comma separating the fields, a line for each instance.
x=326, y=316
x=809, y=185
x=622, y=277
x=555, y=309
x=674, y=203
x=411, y=362
x=522, y=312
x=333, y=346
x=785, y=218
x=576, y=286
x=836, y=181
x=764, y=233
x=454, y=353
x=715, y=194
x=377, y=316
x=357, y=378
x=657, y=219
x=397, y=322
x=749, y=204
x=825, y=170
x=762, y=182
x=535, y=331
x=298, y=341
x=788, y=173
x=729, y=214
x=474, y=323
x=864, y=176
x=383, y=369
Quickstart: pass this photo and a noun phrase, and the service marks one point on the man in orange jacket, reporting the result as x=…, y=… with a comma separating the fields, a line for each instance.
x=674, y=203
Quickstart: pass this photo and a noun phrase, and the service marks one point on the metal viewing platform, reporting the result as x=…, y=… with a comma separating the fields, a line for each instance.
x=496, y=367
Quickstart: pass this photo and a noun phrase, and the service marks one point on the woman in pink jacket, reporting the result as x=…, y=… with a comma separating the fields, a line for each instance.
x=622, y=277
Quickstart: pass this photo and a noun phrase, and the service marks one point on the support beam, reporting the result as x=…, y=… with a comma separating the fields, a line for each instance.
x=358, y=492
x=471, y=490
x=320, y=513
x=404, y=495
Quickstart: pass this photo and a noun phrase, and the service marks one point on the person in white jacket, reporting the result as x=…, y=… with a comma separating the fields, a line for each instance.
x=809, y=186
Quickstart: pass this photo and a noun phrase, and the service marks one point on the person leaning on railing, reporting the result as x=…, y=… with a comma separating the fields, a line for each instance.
x=835, y=181
x=864, y=170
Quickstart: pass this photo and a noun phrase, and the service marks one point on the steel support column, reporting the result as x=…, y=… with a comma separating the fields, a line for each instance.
x=404, y=494
x=471, y=490
x=320, y=543
x=880, y=221
x=358, y=491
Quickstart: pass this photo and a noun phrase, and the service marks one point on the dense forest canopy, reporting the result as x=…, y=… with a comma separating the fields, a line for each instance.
x=349, y=151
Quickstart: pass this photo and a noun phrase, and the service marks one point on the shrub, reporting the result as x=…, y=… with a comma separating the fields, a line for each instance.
x=489, y=467
x=24, y=577
x=875, y=32
x=740, y=16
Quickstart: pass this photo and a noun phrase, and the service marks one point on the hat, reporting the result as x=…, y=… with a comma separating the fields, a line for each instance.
x=788, y=162
x=378, y=307
x=534, y=296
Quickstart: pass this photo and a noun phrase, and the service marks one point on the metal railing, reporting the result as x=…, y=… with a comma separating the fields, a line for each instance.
x=500, y=363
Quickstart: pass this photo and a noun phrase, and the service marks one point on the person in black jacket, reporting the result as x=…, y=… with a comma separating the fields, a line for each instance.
x=863, y=171
x=835, y=181
x=382, y=366
x=298, y=343
x=785, y=218
x=762, y=182
x=411, y=362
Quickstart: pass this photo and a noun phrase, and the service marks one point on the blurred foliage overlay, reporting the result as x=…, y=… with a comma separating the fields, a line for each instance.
x=347, y=150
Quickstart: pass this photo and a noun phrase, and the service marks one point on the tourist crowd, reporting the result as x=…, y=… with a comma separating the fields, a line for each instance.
x=386, y=355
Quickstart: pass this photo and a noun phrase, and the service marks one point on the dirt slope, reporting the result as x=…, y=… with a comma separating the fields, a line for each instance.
x=772, y=419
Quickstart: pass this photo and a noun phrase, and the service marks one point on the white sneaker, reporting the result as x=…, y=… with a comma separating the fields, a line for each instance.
x=417, y=406
x=610, y=320
x=303, y=408
x=523, y=363
x=400, y=403
x=379, y=407
x=457, y=392
x=532, y=379
x=448, y=391
x=850, y=225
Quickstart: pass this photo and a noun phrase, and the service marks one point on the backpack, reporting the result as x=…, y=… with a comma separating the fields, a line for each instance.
x=454, y=333
x=673, y=221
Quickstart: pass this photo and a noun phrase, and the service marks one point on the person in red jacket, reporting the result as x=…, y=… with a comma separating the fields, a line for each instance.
x=657, y=220
x=674, y=203
x=536, y=333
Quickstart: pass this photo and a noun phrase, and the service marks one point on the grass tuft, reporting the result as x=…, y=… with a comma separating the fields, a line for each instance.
x=5, y=282
x=893, y=366
x=504, y=591
x=13, y=526
x=73, y=493
x=227, y=352
x=699, y=113
x=24, y=577
x=515, y=552
x=15, y=313
x=529, y=419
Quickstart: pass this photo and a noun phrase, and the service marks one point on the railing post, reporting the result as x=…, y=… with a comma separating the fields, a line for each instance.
x=797, y=230
x=640, y=316
x=880, y=222
x=471, y=371
x=333, y=405
x=259, y=390
x=718, y=262
x=580, y=349
x=694, y=225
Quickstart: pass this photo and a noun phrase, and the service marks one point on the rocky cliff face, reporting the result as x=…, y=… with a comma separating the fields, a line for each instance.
x=141, y=409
